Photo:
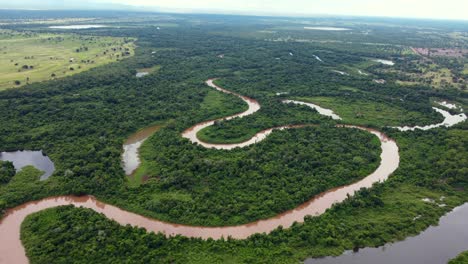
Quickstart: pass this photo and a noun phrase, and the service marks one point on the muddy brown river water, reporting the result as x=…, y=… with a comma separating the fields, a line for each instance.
x=12, y=251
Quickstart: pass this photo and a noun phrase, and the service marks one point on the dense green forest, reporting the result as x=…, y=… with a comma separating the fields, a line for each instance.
x=193, y=185
x=81, y=121
x=7, y=171
x=22, y=187
x=371, y=218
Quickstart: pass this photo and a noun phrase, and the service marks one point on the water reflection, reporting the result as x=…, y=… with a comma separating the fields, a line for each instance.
x=435, y=245
x=141, y=74
x=130, y=157
x=449, y=120
x=25, y=158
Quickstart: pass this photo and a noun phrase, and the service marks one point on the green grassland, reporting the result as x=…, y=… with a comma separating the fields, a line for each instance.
x=219, y=103
x=364, y=112
x=436, y=72
x=150, y=70
x=31, y=57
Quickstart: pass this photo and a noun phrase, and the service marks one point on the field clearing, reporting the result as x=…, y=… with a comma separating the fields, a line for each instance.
x=151, y=70
x=440, y=77
x=407, y=83
x=45, y=21
x=30, y=57
x=433, y=75
x=456, y=53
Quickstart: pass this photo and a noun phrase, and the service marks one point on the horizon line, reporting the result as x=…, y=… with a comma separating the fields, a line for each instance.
x=181, y=11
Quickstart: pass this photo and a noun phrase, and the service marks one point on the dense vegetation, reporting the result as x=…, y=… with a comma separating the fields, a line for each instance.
x=432, y=166
x=22, y=187
x=272, y=114
x=7, y=171
x=372, y=113
x=193, y=185
x=81, y=121
x=460, y=259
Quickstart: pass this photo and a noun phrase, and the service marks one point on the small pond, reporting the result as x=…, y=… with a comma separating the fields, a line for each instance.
x=25, y=158
x=385, y=62
x=141, y=74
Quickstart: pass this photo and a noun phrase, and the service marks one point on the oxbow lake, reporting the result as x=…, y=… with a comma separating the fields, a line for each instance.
x=25, y=158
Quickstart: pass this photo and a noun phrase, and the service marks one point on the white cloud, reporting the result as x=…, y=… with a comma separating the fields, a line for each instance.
x=451, y=9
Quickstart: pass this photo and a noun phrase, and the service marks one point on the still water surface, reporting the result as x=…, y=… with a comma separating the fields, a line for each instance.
x=25, y=158
x=436, y=245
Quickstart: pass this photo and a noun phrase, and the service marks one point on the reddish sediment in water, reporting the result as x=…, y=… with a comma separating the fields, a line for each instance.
x=12, y=251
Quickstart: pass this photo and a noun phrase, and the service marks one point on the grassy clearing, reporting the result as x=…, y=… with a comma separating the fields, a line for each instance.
x=366, y=113
x=151, y=70
x=347, y=88
x=28, y=174
x=365, y=64
x=407, y=51
x=407, y=83
x=432, y=74
x=221, y=105
x=138, y=176
x=440, y=77
x=218, y=102
x=31, y=57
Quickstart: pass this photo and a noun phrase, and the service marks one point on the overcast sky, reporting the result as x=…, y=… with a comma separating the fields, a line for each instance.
x=445, y=9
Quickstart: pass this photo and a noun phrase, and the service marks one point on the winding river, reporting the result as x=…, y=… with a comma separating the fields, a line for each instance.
x=449, y=120
x=12, y=250
x=435, y=245
x=254, y=106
